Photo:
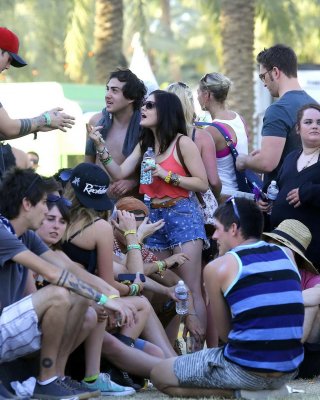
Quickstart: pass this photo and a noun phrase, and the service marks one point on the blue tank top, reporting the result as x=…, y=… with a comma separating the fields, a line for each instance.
x=267, y=310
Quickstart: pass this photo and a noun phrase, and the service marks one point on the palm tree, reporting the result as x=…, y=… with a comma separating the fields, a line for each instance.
x=108, y=38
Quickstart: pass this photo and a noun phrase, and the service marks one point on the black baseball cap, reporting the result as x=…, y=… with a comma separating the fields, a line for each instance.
x=90, y=184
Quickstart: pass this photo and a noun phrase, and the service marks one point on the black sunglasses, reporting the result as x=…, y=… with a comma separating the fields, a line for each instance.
x=52, y=198
x=262, y=77
x=149, y=105
x=232, y=200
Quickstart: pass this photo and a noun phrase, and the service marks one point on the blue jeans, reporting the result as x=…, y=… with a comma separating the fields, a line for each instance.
x=183, y=223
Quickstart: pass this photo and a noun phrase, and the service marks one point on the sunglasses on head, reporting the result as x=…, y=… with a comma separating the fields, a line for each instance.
x=149, y=105
x=65, y=174
x=52, y=198
x=232, y=200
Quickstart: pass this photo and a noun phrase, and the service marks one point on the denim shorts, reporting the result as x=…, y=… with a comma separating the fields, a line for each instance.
x=210, y=369
x=183, y=223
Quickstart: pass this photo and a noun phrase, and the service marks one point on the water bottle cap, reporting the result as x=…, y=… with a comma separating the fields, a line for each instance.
x=273, y=182
x=180, y=283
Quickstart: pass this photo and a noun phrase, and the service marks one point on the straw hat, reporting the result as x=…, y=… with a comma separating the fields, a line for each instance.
x=295, y=235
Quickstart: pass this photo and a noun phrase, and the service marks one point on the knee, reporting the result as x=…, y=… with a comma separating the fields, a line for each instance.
x=59, y=297
x=90, y=319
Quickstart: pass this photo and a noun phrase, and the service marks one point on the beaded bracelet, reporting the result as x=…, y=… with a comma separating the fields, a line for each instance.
x=101, y=152
x=175, y=179
x=130, y=232
x=133, y=247
x=103, y=299
x=167, y=179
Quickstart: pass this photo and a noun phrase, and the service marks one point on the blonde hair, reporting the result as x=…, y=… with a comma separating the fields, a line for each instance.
x=79, y=213
x=217, y=84
x=186, y=97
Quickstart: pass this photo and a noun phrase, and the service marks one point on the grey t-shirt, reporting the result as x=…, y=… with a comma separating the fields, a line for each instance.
x=13, y=275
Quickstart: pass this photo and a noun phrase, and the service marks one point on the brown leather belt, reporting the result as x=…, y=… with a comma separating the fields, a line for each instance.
x=166, y=203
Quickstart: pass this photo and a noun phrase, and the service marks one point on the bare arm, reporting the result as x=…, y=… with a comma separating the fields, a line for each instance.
x=116, y=171
x=215, y=275
x=265, y=160
x=207, y=150
x=63, y=261
x=14, y=128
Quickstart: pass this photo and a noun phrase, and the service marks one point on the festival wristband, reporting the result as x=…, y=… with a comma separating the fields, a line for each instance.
x=103, y=300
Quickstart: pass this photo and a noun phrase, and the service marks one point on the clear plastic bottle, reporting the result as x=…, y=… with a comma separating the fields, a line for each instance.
x=181, y=292
x=272, y=194
x=149, y=159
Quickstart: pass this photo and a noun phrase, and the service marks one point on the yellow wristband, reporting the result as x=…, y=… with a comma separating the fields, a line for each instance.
x=129, y=232
x=167, y=179
x=114, y=296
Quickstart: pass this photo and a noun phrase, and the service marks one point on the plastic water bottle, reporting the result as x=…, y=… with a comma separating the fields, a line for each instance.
x=272, y=193
x=181, y=292
x=149, y=160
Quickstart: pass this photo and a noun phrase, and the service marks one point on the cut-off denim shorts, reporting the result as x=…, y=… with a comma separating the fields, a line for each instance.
x=183, y=223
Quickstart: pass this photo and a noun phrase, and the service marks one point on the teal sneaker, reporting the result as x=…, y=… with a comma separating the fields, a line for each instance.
x=109, y=388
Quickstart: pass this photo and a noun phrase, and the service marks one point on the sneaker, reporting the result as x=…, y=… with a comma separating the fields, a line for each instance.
x=123, y=378
x=5, y=394
x=55, y=390
x=109, y=388
x=83, y=391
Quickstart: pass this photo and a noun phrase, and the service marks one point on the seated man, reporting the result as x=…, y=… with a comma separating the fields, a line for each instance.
x=255, y=290
x=26, y=322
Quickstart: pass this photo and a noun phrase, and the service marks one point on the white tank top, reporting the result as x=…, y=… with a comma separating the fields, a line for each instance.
x=225, y=164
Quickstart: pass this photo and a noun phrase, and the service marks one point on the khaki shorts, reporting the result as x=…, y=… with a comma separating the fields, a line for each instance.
x=19, y=331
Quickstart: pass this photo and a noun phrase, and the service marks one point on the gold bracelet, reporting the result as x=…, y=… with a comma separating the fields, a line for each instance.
x=168, y=177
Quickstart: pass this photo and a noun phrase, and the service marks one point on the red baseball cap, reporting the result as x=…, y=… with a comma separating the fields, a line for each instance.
x=9, y=42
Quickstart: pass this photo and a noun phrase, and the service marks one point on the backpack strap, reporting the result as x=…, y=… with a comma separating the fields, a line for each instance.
x=225, y=133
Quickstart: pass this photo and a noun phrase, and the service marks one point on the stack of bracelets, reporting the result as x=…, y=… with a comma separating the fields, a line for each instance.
x=104, y=161
x=162, y=266
x=134, y=288
x=172, y=178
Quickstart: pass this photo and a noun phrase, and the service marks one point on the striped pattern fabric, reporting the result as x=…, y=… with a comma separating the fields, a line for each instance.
x=267, y=310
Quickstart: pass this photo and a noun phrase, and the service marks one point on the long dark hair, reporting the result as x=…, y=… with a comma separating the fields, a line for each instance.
x=171, y=121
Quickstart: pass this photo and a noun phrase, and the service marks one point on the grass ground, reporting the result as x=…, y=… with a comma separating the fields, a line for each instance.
x=310, y=387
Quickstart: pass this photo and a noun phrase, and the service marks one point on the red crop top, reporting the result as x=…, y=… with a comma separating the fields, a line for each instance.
x=159, y=188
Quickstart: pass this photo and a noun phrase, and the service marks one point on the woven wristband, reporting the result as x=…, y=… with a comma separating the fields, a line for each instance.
x=106, y=161
x=103, y=300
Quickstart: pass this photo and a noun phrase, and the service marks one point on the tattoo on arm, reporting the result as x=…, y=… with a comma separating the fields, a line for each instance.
x=25, y=127
x=31, y=125
x=71, y=282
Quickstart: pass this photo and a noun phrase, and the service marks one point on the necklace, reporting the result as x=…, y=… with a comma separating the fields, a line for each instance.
x=313, y=154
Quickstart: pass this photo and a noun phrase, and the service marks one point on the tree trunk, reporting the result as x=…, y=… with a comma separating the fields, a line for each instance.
x=237, y=28
x=108, y=38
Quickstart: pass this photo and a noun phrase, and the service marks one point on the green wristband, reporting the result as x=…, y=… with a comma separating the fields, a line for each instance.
x=47, y=118
x=103, y=300
x=133, y=246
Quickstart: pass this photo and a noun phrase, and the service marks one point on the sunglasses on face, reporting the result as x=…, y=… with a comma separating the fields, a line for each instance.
x=232, y=200
x=52, y=198
x=149, y=105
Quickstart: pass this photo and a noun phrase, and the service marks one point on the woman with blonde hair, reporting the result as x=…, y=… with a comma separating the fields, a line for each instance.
x=213, y=91
x=201, y=137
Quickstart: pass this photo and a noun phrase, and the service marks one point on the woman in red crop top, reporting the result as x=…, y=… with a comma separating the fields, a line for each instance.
x=163, y=122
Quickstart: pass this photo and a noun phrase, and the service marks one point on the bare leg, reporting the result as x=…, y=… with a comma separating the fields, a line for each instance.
x=212, y=338
x=127, y=358
x=164, y=379
x=154, y=333
x=93, y=348
x=52, y=305
x=144, y=308
x=311, y=325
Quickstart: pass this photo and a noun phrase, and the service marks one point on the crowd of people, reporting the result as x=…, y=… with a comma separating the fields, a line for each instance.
x=90, y=258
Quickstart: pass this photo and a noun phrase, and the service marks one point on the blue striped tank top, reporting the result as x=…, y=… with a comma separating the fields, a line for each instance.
x=267, y=310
